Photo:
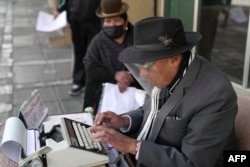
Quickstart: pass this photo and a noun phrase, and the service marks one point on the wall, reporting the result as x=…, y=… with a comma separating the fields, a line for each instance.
x=139, y=9
x=182, y=9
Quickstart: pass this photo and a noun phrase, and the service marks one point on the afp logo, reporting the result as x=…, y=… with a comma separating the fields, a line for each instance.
x=236, y=158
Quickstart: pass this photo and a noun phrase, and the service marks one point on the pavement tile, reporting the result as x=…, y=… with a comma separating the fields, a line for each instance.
x=5, y=108
x=5, y=81
x=29, y=74
x=55, y=53
x=28, y=54
x=47, y=94
x=6, y=99
x=6, y=89
x=53, y=107
x=4, y=115
x=5, y=72
x=63, y=70
x=62, y=93
x=72, y=106
x=24, y=40
x=25, y=30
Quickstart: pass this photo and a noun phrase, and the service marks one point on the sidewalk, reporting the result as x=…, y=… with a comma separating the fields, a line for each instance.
x=28, y=62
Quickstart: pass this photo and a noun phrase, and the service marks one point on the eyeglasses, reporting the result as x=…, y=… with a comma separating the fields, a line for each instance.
x=145, y=65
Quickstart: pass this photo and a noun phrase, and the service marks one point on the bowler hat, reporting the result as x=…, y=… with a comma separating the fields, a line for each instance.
x=111, y=8
x=157, y=38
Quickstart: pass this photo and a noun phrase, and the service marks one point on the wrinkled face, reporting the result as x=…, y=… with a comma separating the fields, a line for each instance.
x=162, y=72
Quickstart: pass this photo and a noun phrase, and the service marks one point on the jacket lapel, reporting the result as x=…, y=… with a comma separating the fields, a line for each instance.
x=164, y=111
x=174, y=98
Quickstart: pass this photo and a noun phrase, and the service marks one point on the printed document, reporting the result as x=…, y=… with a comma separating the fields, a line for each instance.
x=33, y=111
x=238, y=15
x=47, y=23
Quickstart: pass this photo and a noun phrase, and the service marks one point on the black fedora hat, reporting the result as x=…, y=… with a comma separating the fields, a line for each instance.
x=111, y=8
x=157, y=38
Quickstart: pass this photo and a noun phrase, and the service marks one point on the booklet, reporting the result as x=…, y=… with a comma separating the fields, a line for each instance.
x=33, y=111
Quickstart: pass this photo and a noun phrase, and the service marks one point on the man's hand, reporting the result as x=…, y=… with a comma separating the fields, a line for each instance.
x=110, y=119
x=119, y=141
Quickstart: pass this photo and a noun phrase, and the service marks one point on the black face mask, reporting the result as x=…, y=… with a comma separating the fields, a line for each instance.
x=114, y=31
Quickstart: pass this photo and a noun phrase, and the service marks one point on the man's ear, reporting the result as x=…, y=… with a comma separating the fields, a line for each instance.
x=175, y=60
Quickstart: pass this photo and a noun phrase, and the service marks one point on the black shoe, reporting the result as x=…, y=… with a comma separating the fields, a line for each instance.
x=75, y=90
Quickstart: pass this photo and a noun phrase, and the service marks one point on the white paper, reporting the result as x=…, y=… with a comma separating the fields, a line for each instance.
x=47, y=23
x=140, y=96
x=14, y=138
x=81, y=117
x=17, y=138
x=241, y=2
x=238, y=15
x=31, y=143
x=114, y=100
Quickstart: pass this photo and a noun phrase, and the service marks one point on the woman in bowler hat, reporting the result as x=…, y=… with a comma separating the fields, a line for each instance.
x=101, y=61
x=188, y=116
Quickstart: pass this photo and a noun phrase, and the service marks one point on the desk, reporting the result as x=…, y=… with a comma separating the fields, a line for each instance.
x=5, y=162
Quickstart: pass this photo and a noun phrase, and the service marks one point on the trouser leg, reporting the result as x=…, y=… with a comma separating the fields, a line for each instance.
x=80, y=46
x=208, y=29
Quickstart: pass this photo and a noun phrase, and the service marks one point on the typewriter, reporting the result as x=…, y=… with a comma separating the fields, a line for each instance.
x=79, y=136
x=71, y=144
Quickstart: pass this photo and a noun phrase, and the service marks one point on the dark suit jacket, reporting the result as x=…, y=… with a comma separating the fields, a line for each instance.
x=206, y=105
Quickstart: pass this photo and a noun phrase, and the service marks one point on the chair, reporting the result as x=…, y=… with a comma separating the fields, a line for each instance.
x=242, y=122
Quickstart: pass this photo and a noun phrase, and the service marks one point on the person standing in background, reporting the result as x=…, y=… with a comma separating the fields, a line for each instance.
x=101, y=60
x=84, y=24
x=209, y=23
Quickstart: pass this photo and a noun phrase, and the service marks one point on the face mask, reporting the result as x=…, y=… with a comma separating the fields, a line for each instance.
x=114, y=31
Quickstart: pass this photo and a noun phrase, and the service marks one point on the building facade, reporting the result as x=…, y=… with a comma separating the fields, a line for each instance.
x=224, y=25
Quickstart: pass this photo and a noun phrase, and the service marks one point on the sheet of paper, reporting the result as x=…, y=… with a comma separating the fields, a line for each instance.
x=140, y=96
x=31, y=142
x=241, y=2
x=238, y=15
x=14, y=138
x=114, y=100
x=47, y=23
x=82, y=117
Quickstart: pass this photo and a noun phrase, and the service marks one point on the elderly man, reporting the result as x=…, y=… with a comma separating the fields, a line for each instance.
x=189, y=113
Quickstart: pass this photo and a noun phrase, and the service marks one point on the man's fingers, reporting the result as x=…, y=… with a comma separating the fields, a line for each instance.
x=103, y=117
x=98, y=119
x=101, y=134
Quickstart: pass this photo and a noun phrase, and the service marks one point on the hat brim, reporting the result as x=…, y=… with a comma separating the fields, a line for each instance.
x=132, y=55
x=101, y=14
